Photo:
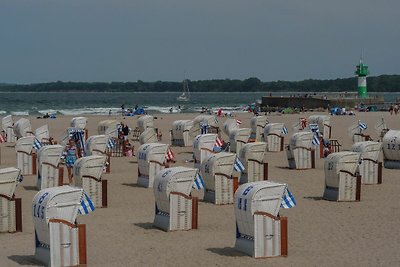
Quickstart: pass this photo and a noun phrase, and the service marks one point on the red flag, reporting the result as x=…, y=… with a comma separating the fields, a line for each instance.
x=170, y=155
x=218, y=142
x=2, y=139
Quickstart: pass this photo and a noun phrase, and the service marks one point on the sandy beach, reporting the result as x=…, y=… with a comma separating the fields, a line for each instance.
x=321, y=233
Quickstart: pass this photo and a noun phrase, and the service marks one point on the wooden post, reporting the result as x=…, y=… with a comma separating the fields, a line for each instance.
x=82, y=243
x=18, y=214
x=312, y=158
x=284, y=236
x=33, y=163
x=282, y=142
x=86, y=134
x=104, y=200
x=321, y=148
x=265, y=171
x=330, y=132
x=195, y=212
x=379, y=172
x=108, y=167
x=235, y=183
x=60, y=176
x=358, y=187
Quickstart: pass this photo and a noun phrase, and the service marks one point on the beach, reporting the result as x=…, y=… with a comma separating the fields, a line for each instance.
x=320, y=232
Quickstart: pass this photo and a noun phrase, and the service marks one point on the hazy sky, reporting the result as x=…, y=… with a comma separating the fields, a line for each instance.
x=150, y=40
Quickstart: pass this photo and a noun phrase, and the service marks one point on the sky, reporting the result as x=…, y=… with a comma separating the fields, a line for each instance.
x=169, y=40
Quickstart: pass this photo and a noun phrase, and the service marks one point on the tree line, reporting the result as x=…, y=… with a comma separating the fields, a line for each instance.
x=382, y=83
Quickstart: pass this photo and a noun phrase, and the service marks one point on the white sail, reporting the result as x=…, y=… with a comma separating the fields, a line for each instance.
x=185, y=96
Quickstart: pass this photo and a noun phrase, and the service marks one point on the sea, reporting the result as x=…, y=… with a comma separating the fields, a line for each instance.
x=100, y=103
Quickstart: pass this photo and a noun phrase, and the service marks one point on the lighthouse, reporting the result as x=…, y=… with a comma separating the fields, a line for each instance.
x=362, y=72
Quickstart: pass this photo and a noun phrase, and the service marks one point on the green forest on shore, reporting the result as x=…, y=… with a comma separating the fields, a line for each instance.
x=382, y=83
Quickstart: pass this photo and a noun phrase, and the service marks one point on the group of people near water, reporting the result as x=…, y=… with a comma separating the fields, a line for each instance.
x=394, y=109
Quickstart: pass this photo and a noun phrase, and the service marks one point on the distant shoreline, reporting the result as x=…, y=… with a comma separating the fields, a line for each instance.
x=382, y=83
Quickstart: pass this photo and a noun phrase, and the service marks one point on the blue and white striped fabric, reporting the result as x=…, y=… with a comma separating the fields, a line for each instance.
x=315, y=141
x=238, y=166
x=78, y=135
x=313, y=127
x=285, y=130
x=86, y=205
x=362, y=125
x=215, y=120
x=288, y=200
x=198, y=182
x=37, y=144
x=110, y=143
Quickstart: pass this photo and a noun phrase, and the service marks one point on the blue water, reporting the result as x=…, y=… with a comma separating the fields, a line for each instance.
x=99, y=103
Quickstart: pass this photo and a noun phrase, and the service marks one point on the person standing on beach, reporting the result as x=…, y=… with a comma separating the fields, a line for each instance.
x=125, y=131
x=70, y=158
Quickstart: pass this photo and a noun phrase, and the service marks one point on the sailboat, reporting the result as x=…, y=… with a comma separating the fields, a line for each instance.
x=185, y=96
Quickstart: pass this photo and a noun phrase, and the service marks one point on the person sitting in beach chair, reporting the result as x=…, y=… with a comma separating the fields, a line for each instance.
x=129, y=149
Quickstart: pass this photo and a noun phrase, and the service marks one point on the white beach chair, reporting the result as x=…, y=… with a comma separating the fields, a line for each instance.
x=252, y=157
x=180, y=133
x=257, y=124
x=151, y=160
x=59, y=240
x=261, y=232
x=370, y=168
x=216, y=171
x=10, y=207
x=300, y=152
x=175, y=208
x=50, y=174
x=87, y=175
x=391, y=149
x=237, y=138
x=274, y=137
x=26, y=158
x=203, y=146
x=342, y=182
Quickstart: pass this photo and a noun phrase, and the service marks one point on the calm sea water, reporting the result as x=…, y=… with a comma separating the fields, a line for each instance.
x=99, y=103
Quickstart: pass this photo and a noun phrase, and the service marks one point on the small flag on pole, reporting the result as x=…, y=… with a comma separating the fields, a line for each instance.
x=37, y=144
x=238, y=166
x=86, y=205
x=285, y=130
x=215, y=120
x=238, y=122
x=288, y=200
x=170, y=155
x=313, y=127
x=198, y=182
x=110, y=143
x=2, y=138
x=315, y=141
x=218, y=142
x=362, y=125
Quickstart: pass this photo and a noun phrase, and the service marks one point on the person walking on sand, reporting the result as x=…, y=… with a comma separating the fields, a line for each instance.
x=70, y=158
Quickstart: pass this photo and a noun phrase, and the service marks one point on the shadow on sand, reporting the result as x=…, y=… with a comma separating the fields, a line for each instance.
x=28, y=260
x=227, y=251
x=30, y=188
x=133, y=185
x=314, y=198
x=146, y=226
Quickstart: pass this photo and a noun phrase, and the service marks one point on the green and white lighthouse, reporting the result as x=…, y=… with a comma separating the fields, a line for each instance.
x=362, y=72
